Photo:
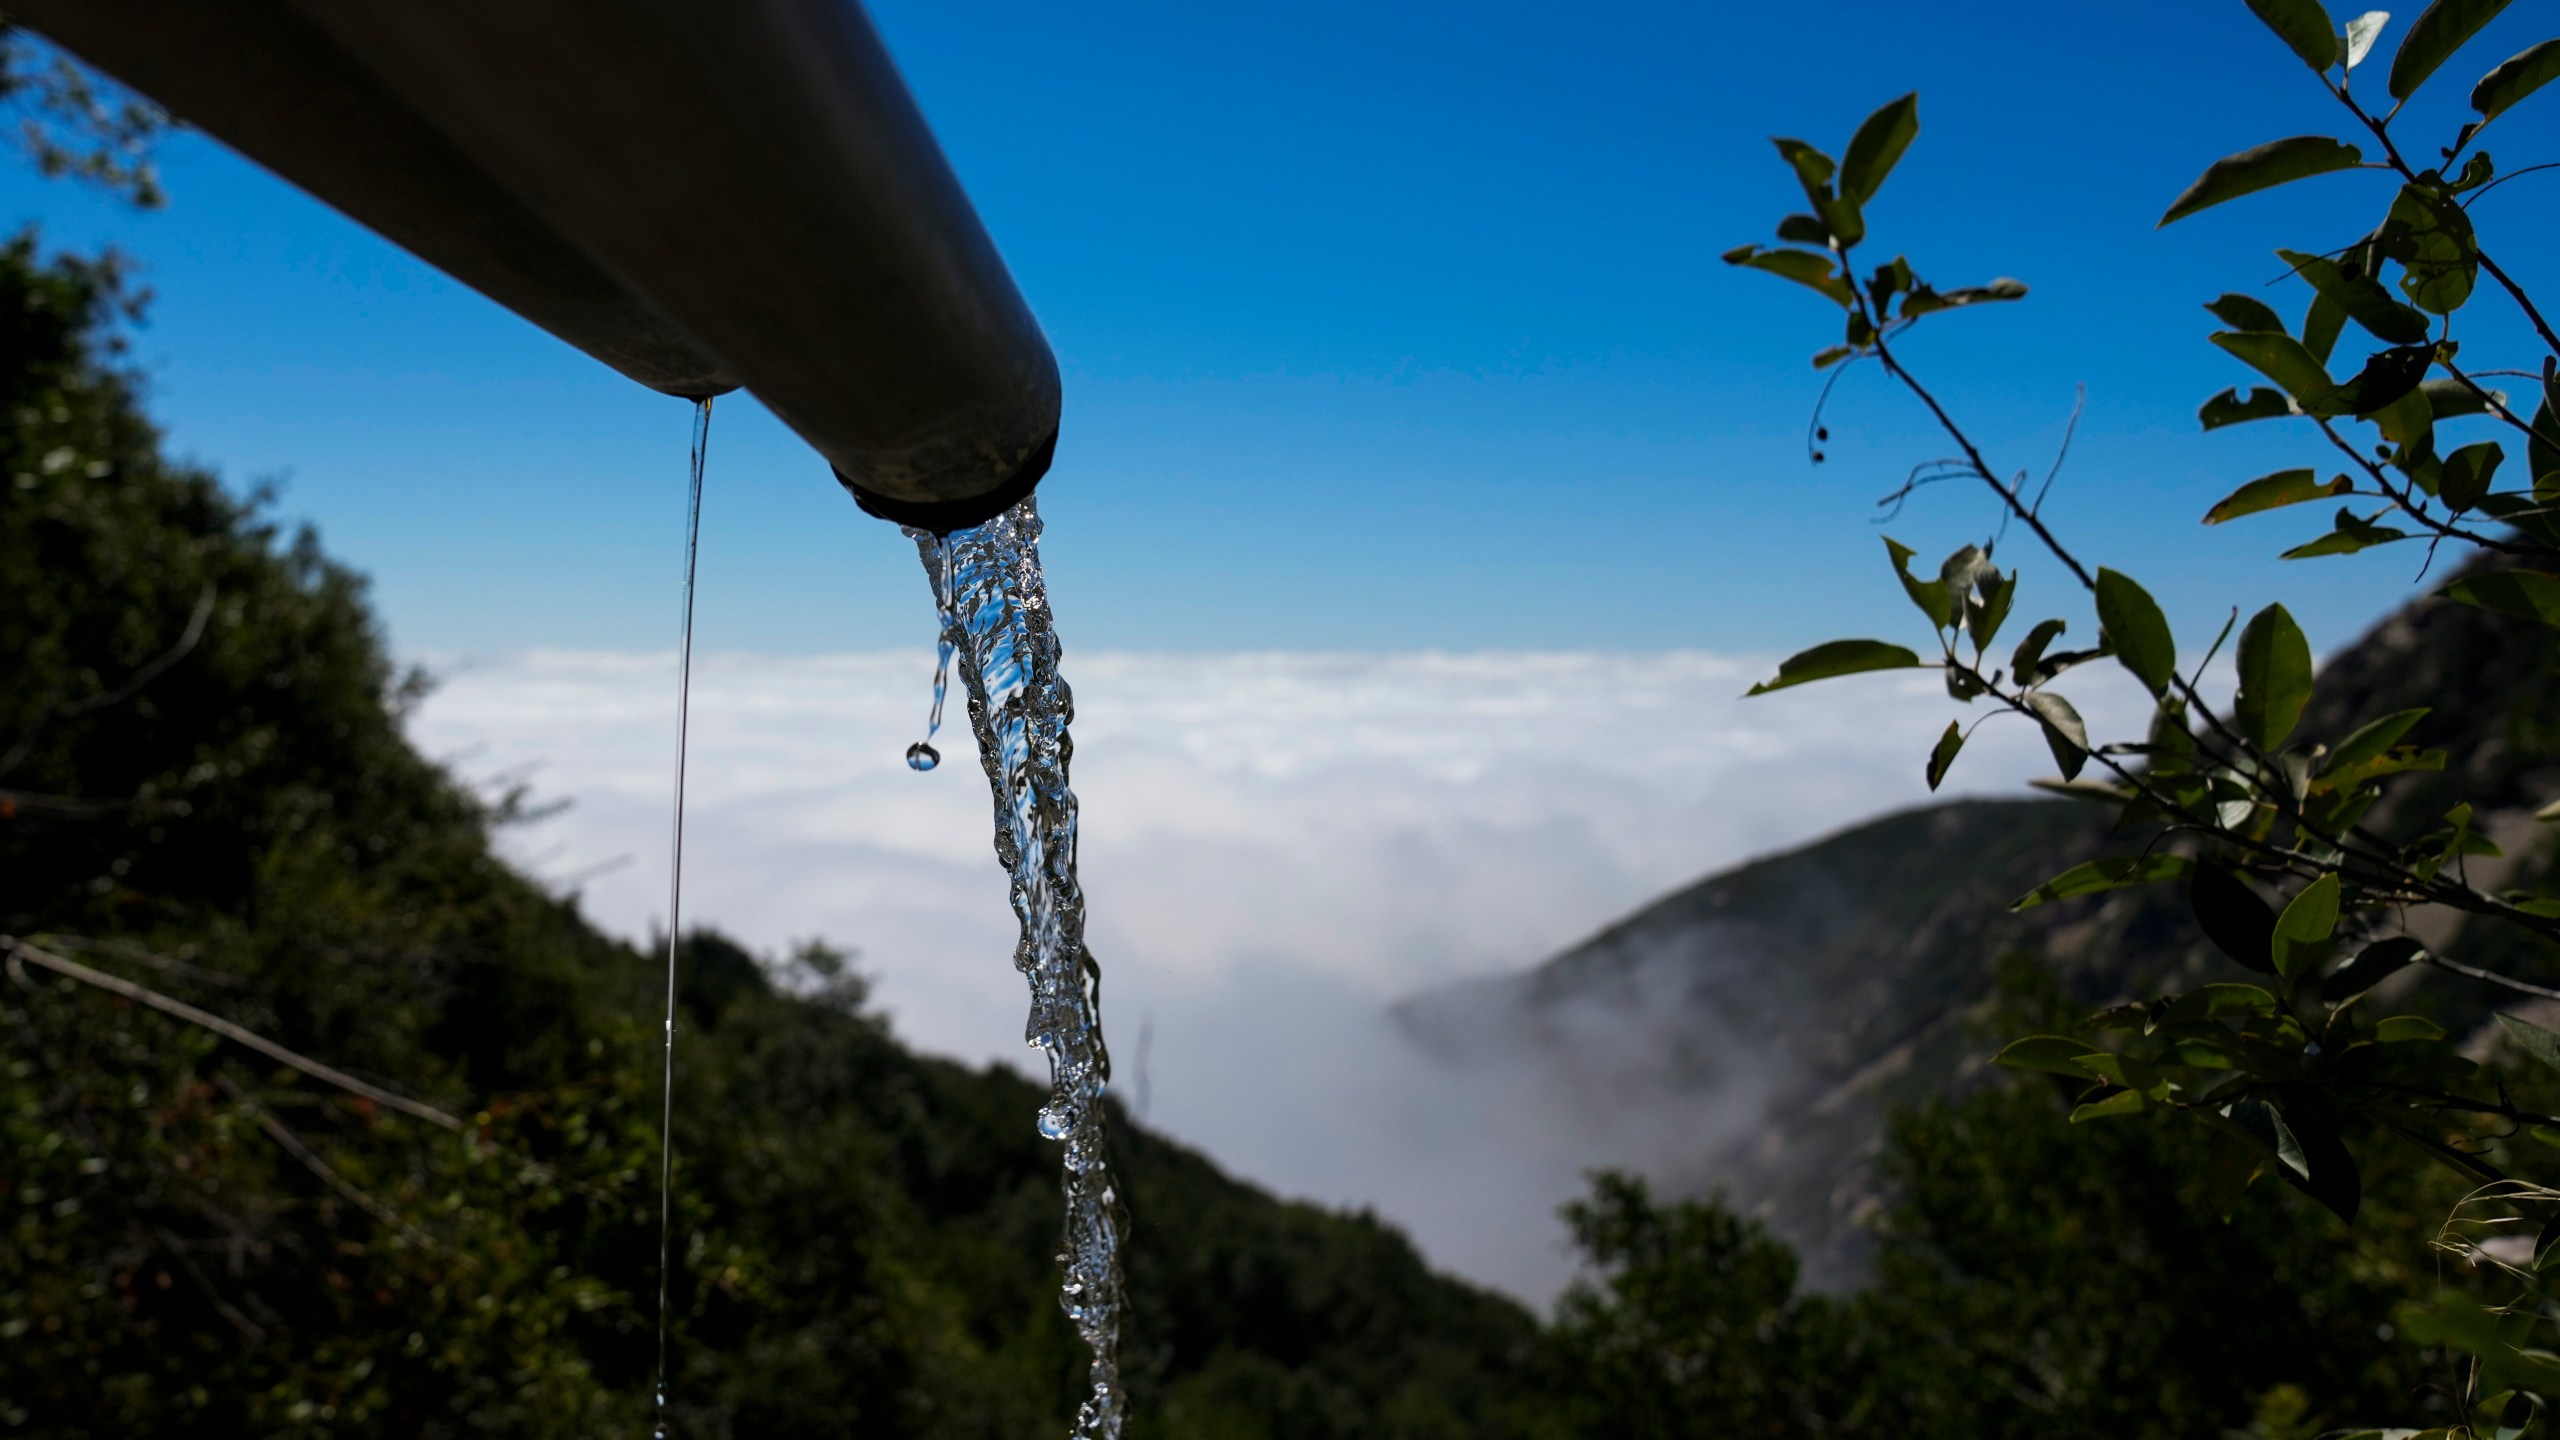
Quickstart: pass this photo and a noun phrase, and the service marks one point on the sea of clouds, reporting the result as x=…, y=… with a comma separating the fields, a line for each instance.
x=1275, y=847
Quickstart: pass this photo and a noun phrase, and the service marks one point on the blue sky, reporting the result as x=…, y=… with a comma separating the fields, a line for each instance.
x=1382, y=327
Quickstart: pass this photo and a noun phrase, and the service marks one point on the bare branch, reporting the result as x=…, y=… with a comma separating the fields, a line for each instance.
x=72, y=969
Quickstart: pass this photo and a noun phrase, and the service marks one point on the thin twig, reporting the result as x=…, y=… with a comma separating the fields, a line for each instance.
x=294, y=1145
x=73, y=969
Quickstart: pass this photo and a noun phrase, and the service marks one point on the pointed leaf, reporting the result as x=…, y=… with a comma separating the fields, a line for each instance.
x=2064, y=733
x=2267, y=1126
x=1880, y=141
x=2304, y=25
x=2264, y=167
x=2114, y=873
x=2526, y=593
x=2386, y=377
x=2468, y=473
x=2373, y=964
x=2030, y=652
x=2247, y=313
x=2232, y=407
x=2352, y=533
x=2275, y=678
x=2370, y=741
x=1983, y=616
x=2052, y=1054
x=2360, y=297
x=1933, y=596
x=2282, y=359
x=2362, y=31
x=2433, y=240
x=2232, y=916
x=2269, y=492
x=2439, y=30
x=2303, y=930
x=2138, y=631
x=2516, y=79
x=2532, y=1039
x=1815, y=272
x=2123, y=1102
x=1944, y=753
x=1839, y=657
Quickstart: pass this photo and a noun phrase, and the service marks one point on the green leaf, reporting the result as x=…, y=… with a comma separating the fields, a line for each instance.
x=1932, y=595
x=2451, y=399
x=2030, y=652
x=2304, y=25
x=2542, y=447
x=2373, y=964
x=2352, y=533
x=2468, y=473
x=2064, y=732
x=1814, y=272
x=2123, y=1102
x=2133, y=624
x=2233, y=916
x=1987, y=611
x=1924, y=301
x=2387, y=376
x=2223, y=997
x=2282, y=359
x=2515, y=79
x=2361, y=297
x=2052, y=1054
x=1831, y=355
x=2362, y=31
x=2247, y=313
x=2529, y=594
x=1838, y=657
x=2399, y=1029
x=2333, y=1180
x=2267, y=1126
x=2231, y=407
x=1880, y=141
x=2370, y=741
x=2532, y=1039
x=1813, y=171
x=1802, y=229
x=2303, y=930
x=2321, y=325
x=2270, y=492
x=2275, y=678
x=2440, y=29
x=1944, y=753
x=2116, y=872
x=2278, y=162
x=2432, y=239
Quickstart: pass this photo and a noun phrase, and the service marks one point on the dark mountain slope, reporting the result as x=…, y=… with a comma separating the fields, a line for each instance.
x=1824, y=987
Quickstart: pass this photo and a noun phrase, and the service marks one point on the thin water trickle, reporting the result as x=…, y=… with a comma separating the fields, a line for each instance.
x=995, y=614
x=675, y=902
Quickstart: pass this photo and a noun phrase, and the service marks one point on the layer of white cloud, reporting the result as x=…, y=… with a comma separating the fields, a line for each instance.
x=1275, y=846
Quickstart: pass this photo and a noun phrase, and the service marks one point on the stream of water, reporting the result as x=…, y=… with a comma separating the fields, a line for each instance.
x=995, y=615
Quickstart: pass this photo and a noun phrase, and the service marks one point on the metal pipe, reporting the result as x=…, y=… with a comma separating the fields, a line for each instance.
x=754, y=171
x=265, y=81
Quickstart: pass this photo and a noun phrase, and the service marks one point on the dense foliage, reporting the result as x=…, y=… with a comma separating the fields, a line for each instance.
x=2302, y=854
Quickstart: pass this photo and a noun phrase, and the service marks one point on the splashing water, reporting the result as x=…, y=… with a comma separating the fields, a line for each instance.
x=995, y=613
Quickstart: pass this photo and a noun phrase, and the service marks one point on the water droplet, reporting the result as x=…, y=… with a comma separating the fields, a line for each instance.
x=1053, y=1122
x=921, y=756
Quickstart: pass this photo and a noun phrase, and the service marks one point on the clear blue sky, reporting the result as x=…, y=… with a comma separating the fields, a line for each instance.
x=1382, y=326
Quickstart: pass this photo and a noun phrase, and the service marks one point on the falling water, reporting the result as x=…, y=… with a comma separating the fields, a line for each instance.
x=995, y=613
x=675, y=898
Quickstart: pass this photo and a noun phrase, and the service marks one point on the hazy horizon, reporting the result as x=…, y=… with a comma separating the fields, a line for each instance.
x=1276, y=846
